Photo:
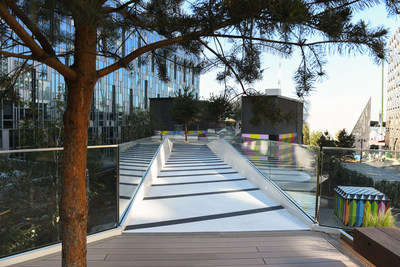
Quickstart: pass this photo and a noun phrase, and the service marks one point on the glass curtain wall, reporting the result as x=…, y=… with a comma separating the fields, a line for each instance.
x=115, y=95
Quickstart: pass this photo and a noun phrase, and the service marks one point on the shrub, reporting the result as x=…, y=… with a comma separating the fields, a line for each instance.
x=382, y=219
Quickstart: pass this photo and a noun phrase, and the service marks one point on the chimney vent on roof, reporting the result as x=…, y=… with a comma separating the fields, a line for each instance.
x=274, y=91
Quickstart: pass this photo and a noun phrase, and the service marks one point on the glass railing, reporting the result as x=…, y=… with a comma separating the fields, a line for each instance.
x=30, y=185
x=193, y=135
x=30, y=193
x=134, y=159
x=358, y=185
x=292, y=167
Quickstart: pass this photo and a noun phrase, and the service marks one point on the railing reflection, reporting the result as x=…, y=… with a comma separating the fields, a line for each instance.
x=292, y=167
x=134, y=160
x=30, y=193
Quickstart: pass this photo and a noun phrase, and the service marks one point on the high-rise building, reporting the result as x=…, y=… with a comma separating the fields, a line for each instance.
x=392, y=138
x=115, y=95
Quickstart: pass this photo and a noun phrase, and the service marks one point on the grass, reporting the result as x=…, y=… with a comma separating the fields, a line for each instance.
x=382, y=219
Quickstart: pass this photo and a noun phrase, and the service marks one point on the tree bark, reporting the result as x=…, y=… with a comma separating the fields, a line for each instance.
x=74, y=204
x=186, y=131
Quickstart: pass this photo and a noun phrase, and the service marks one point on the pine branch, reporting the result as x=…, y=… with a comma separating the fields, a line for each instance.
x=9, y=54
x=37, y=52
x=11, y=79
x=138, y=52
x=47, y=47
x=109, y=9
x=225, y=62
x=136, y=21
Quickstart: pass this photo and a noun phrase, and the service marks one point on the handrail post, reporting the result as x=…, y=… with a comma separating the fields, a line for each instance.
x=317, y=191
x=117, y=186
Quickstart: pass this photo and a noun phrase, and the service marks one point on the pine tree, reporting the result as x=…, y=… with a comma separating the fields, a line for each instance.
x=343, y=139
x=252, y=26
x=218, y=109
x=186, y=108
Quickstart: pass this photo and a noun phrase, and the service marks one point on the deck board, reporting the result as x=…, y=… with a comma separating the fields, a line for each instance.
x=282, y=248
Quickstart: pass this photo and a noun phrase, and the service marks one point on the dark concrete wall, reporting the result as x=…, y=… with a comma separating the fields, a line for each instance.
x=161, y=118
x=287, y=104
x=159, y=113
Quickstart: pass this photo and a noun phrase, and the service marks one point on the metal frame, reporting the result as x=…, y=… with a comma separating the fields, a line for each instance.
x=359, y=149
x=117, y=187
x=318, y=187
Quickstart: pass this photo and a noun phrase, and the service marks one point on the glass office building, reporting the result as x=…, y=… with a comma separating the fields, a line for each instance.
x=115, y=95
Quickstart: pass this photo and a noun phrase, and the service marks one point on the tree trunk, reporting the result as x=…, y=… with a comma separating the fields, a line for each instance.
x=74, y=204
x=186, y=131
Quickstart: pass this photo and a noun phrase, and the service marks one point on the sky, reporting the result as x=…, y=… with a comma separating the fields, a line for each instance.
x=339, y=99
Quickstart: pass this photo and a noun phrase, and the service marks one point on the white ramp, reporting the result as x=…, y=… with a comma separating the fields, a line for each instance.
x=197, y=192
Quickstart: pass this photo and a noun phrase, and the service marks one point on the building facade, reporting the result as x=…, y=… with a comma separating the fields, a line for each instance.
x=392, y=138
x=361, y=129
x=115, y=95
x=285, y=131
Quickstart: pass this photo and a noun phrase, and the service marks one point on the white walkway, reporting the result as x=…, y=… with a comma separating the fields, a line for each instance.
x=197, y=192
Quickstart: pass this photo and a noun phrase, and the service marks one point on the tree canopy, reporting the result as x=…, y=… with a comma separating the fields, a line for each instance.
x=252, y=27
x=324, y=139
x=100, y=28
x=186, y=108
x=218, y=109
x=343, y=139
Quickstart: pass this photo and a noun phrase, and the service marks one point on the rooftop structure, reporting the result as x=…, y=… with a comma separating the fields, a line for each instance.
x=292, y=108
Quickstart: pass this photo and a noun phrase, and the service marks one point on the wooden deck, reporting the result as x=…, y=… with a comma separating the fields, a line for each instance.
x=281, y=248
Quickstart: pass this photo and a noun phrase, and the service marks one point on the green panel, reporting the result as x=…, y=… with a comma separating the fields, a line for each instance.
x=352, y=213
x=374, y=208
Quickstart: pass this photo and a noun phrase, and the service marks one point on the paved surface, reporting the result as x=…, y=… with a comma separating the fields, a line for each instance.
x=376, y=172
x=133, y=164
x=285, y=248
x=198, y=192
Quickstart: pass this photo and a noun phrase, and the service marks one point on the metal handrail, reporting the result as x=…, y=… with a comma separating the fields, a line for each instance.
x=359, y=149
x=50, y=149
x=279, y=142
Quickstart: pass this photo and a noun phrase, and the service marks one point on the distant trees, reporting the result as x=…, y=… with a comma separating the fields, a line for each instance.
x=218, y=109
x=136, y=125
x=343, y=139
x=186, y=108
x=315, y=138
x=237, y=111
x=37, y=130
x=324, y=139
x=306, y=134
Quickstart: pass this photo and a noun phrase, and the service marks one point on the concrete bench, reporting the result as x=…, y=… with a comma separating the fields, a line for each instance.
x=380, y=245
